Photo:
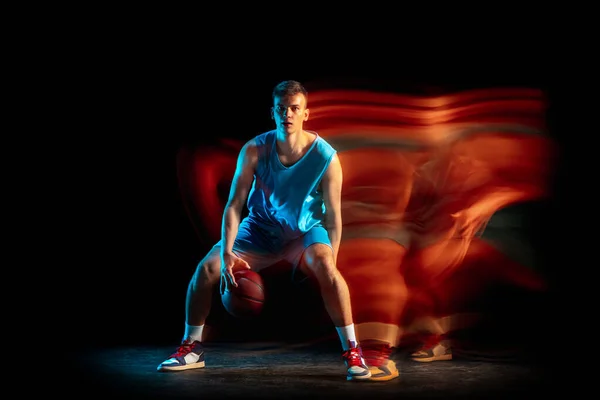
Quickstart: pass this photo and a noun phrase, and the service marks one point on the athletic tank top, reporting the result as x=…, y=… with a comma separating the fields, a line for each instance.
x=286, y=202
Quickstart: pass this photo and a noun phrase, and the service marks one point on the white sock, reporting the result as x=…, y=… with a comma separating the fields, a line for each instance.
x=193, y=332
x=347, y=336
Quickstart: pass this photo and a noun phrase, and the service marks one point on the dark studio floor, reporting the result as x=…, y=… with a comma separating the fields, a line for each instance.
x=301, y=370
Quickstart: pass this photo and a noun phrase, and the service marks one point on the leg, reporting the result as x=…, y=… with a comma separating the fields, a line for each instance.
x=200, y=289
x=317, y=262
x=190, y=354
x=200, y=294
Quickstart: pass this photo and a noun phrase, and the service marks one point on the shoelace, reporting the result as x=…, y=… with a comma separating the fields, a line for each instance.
x=185, y=348
x=353, y=357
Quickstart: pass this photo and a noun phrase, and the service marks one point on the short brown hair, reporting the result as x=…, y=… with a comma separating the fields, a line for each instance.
x=289, y=88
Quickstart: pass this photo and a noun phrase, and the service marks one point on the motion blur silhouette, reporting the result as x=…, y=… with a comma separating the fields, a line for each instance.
x=435, y=206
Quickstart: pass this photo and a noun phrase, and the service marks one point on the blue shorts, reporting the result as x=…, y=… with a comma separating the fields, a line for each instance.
x=262, y=249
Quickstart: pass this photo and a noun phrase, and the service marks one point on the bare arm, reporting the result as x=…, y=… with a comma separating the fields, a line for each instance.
x=332, y=196
x=238, y=194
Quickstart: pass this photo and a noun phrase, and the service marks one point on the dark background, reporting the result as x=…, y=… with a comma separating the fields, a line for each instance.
x=133, y=248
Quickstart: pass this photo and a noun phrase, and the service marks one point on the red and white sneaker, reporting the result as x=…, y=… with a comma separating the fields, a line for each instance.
x=189, y=355
x=357, y=368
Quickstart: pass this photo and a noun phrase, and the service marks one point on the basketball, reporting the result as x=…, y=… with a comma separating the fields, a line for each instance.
x=247, y=299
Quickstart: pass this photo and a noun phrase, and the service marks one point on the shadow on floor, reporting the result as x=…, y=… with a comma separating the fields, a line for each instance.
x=302, y=370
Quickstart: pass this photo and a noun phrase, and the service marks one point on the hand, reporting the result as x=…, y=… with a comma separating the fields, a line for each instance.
x=229, y=263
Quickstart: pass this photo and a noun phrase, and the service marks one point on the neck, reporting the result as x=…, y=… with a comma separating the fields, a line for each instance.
x=293, y=142
x=290, y=140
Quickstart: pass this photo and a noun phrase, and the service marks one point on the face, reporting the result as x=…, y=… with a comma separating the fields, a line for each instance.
x=290, y=112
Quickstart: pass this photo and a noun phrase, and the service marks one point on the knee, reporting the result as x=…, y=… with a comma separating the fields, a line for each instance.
x=208, y=271
x=321, y=266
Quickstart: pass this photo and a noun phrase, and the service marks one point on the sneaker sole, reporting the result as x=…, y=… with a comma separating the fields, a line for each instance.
x=445, y=357
x=384, y=373
x=364, y=377
x=181, y=367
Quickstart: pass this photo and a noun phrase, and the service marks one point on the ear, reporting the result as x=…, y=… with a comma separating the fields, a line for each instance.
x=306, y=113
x=272, y=113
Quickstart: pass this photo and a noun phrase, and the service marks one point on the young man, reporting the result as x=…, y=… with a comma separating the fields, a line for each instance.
x=291, y=181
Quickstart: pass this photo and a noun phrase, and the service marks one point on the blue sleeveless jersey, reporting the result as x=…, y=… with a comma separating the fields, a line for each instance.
x=286, y=202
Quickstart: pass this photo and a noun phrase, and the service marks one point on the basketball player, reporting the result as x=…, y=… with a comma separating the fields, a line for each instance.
x=291, y=181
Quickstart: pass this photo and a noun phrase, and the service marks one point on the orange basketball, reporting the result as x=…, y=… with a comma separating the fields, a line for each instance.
x=248, y=298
